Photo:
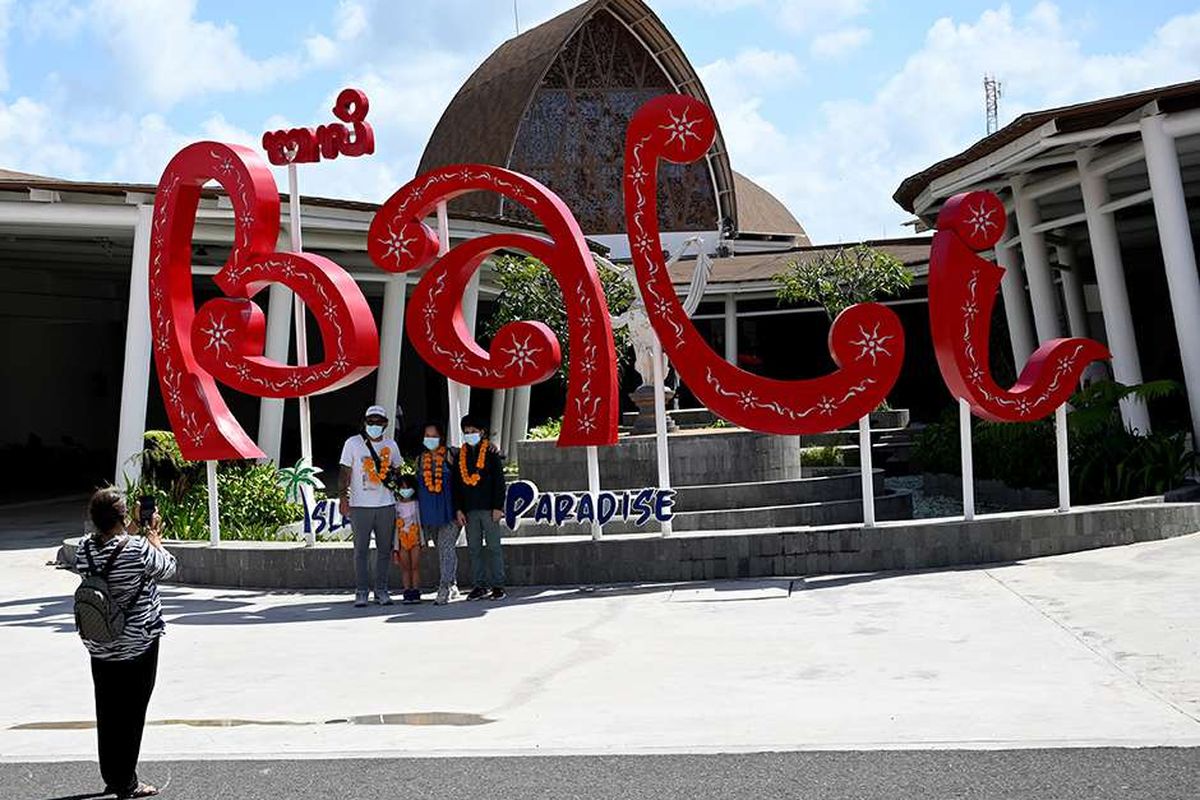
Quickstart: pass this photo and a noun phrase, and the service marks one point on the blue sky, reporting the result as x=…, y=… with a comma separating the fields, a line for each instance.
x=829, y=103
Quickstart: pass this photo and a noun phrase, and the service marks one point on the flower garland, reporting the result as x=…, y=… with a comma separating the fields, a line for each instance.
x=468, y=478
x=382, y=475
x=432, y=469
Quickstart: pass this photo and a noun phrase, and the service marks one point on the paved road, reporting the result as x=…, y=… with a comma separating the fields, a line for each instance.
x=1061, y=774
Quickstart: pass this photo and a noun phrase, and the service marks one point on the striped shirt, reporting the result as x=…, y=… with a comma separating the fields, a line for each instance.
x=140, y=564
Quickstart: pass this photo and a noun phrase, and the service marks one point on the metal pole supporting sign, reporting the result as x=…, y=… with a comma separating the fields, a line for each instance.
x=868, y=478
x=593, y=467
x=660, y=427
x=968, y=461
x=214, y=504
x=298, y=308
x=1064, y=470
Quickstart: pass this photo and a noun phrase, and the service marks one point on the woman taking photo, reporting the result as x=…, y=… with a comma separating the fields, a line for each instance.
x=119, y=616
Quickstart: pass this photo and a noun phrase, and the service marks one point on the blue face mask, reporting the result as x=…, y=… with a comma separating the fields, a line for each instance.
x=375, y=431
x=432, y=442
x=406, y=493
x=472, y=439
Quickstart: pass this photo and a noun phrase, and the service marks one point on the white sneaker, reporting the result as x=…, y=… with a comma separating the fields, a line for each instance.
x=454, y=592
x=383, y=598
x=443, y=596
x=360, y=599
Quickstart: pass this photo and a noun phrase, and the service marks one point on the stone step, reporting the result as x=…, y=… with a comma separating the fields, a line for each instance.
x=826, y=484
x=890, y=505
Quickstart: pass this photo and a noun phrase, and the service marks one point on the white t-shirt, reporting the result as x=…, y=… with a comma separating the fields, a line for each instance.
x=366, y=491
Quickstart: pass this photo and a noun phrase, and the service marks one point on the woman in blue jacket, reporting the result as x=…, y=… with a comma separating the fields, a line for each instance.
x=434, y=494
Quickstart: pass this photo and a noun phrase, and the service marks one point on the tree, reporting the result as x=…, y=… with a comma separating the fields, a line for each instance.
x=528, y=291
x=841, y=278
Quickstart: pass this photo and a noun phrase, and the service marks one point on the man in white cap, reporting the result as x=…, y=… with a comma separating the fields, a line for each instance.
x=364, y=497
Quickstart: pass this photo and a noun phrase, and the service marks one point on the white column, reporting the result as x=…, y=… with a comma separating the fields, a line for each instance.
x=1179, y=255
x=506, y=427
x=1072, y=292
x=1037, y=264
x=391, y=343
x=1077, y=323
x=1016, y=307
x=453, y=394
x=1114, y=295
x=520, y=419
x=135, y=380
x=499, y=438
x=279, y=337
x=731, y=329
x=470, y=308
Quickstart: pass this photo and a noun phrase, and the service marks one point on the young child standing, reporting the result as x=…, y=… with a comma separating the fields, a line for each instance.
x=407, y=547
x=434, y=490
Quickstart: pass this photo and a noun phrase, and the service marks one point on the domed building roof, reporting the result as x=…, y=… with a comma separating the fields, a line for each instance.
x=554, y=102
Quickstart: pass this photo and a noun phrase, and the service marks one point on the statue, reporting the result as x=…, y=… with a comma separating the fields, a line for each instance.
x=643, y=338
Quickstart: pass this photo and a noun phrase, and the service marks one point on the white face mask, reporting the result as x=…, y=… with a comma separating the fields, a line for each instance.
x=375, y=431
x=432, y=442
x=406, y=493
x=472, y=439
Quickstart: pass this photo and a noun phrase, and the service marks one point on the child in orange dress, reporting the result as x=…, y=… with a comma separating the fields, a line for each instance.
x=407, y=546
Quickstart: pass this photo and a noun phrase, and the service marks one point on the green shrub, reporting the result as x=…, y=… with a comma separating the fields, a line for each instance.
x=547, y=430
x=253, y=501
x=828, y=456
x=1107, y=462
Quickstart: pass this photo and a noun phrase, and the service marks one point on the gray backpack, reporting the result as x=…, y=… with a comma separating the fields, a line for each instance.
x=97, y=618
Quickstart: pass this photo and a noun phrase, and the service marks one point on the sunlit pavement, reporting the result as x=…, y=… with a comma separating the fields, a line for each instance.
x=1094, y=649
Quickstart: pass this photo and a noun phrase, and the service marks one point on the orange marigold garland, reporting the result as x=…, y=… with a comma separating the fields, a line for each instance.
x=464, y=470
x=385, y=467
x=432, y=469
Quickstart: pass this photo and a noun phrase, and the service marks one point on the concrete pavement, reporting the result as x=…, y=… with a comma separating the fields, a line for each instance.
x=1090, y=649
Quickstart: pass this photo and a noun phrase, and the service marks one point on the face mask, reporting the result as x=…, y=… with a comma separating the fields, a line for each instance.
x=472, y=439
x=375, y=431
x=432, y=442
x=406, y=493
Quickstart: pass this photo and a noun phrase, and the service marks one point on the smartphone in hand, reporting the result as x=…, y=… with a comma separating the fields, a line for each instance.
x=146, y=508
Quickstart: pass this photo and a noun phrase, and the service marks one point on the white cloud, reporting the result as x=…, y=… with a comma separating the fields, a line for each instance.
x=31, y=140
x=837, y=173
x=166, y=54
x=839, y=43
x=798, y=16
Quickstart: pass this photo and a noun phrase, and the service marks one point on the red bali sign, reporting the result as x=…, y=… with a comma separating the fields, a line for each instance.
x=223, y=341
x=962, y=293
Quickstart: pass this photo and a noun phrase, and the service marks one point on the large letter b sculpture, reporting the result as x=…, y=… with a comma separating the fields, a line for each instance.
x=223, y=341
x=962, y=293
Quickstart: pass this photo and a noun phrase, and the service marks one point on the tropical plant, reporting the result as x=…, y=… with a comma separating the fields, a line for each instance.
x=529, y=291
x=253, y=498
x=1107, y=461
x=838, y=279
x=827, y=456
x=549, y=429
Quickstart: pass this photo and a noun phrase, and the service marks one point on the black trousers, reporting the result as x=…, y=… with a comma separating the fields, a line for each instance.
x=123, y=690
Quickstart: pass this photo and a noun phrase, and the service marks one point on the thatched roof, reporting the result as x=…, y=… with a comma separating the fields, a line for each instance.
x=483, y=122
x=761, y=212
x=913, y=252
